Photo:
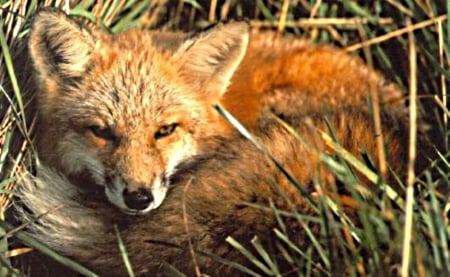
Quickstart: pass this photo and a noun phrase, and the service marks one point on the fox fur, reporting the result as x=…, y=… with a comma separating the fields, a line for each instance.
x=105, y=106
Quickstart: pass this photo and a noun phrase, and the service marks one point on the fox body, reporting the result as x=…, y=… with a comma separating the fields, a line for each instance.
x=134, y=113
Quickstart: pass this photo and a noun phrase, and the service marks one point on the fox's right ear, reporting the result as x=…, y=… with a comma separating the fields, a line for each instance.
x=60, y=48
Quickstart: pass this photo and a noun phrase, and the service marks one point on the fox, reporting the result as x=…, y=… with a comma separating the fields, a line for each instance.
x=128, y=134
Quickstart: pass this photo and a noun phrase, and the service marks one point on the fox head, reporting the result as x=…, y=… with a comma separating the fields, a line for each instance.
x=125, y=110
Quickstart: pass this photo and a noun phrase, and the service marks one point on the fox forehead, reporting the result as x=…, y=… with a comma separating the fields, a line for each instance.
x=86, y=76
x=132, y=80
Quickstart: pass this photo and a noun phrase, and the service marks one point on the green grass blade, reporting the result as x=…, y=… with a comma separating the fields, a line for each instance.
x=295, y=247
x=83, y=13
x=248, y=255
x=129, y=20
x=235, y=123
x=229, y=263
x=123, y=252
x=271, y=263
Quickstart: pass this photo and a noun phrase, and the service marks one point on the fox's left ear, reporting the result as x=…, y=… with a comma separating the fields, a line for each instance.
x=210, y=59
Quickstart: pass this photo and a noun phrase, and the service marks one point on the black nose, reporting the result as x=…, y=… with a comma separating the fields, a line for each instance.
x=138, y=199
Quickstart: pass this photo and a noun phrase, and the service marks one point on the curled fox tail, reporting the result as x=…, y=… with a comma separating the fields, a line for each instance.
x=67, y=223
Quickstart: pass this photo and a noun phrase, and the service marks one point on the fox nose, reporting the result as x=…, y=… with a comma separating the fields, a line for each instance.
x=138, y=199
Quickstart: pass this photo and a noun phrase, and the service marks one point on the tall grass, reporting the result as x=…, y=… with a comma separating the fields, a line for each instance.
x=408, y=40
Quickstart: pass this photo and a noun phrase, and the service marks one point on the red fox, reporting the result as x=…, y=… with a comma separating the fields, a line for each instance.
x=134, y=113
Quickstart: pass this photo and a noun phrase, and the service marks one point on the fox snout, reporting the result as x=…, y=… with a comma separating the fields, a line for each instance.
x=135, y=198
x=138, y=199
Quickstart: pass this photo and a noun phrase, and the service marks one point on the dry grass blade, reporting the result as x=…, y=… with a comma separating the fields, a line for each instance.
x=186, y=228
x=407, y=240
x=396, y=33
x=443, y=81
x=443, y=105
x=18, y=251
x=375, y=105
x=344, y=23
x=283, y=16
x=212, y=11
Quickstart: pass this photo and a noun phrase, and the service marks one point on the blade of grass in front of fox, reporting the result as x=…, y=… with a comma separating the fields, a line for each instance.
x=335, y=233
x=367, y=228
x=270, y=261
x=294, y=247
x=208, y=254
x=337, y=167
x=235, y=123
x=342, y=172
x=291, y=214
x=229, y=263
x=277, y=215
x=442, y=158
x=361, y=167
x=172, y=270
x=286, y=256
x=244, y=251
x=444, y=174
x=123, y=252
x=330, y=203
x=301, y=219
x=341, y=161
x=347, y=156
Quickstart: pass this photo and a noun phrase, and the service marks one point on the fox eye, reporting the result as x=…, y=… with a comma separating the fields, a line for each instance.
x=165, y=130
x=103, y=132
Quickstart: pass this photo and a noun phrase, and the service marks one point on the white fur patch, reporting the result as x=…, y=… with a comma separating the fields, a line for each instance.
x=76, y=158
x=114, y=193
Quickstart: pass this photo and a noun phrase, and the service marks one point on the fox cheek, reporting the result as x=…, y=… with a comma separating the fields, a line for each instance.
x=77, y=159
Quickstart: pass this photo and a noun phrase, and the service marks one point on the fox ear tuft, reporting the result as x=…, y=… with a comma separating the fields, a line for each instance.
x=211, y=58
x=59, y=47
